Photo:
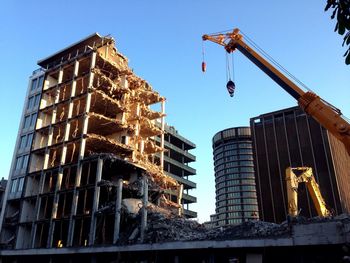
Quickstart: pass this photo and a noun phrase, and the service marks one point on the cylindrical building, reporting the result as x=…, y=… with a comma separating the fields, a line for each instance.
x=236, y=199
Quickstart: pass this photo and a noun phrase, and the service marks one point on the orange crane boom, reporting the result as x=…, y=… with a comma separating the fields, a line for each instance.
x=325, y=114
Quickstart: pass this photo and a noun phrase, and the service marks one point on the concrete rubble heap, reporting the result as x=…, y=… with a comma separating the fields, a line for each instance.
x=171, y=229
x=94, y=146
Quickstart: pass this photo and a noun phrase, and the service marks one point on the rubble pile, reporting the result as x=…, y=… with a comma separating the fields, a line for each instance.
x=249, y=229
x=167, y=229
x=164, y=229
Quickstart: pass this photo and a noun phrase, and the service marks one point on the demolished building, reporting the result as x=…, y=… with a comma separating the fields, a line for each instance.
x=94, y=141
x=91, y=181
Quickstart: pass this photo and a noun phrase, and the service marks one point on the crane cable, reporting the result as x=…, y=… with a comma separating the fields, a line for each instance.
x=273, y=61
x=230, y=86
x=278, y=65
x=204, y=65
x=229, y=66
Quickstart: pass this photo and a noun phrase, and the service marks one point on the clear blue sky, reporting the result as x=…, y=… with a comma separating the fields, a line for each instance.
x=162, y=40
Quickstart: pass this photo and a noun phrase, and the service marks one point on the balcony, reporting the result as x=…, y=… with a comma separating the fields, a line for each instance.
x=187, y=183
x=189, y=213
x=187, y=169
x=188, y=156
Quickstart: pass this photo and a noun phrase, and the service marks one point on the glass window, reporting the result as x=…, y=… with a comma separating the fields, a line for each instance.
x=234, y=188
x=235, y=208
x=14, y=186
x=41, y=82
x=247, y=163
x=20, y=184
x=220, y=155
x=26, y=122
x=232, y=170
x=33, y=120
x=233, y=182
x=230, y=146
x=34, y=84
x=23, y=142
x=246, y=157
x=232, y=164
x=236, y=194
x=30, y=103
x=36, y=100
x=251, y=207
x=249, y=201
x=234, y=201
x=230, y=152
x=219, y=167
x=247, y=169
x=248, y=187
x=242, y=151
x=29, y=140
x=247, y=181
x=25, y=161
x=19, y=163
x=245, y=145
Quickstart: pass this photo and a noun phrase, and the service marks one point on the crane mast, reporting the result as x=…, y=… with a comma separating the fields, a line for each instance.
x=326, y=115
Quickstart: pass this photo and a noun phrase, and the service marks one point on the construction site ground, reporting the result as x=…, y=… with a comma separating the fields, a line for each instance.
x=175, y=239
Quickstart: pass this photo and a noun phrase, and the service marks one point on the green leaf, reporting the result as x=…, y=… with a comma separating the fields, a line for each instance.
x=347, y=23
x=341, y=28
x=347, y=60
x=346, y=39
x=334, y=13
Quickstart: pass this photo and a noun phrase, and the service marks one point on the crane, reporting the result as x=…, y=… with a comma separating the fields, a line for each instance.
x=325, y=114
x=306, y=176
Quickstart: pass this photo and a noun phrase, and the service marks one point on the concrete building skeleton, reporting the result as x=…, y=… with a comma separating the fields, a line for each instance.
x=176, y=160
x=90, y=141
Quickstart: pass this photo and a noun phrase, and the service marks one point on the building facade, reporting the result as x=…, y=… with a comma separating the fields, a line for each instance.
x=20, y=159
x=236, y=199
x=176, y=164
x=290, y=138
x=85, y=150
x=3, y=183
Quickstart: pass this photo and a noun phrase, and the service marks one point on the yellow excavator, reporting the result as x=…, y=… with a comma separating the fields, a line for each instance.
x=297, y=175
x=324, y=113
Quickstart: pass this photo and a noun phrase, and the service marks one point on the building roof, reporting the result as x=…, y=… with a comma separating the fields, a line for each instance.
x=88, y=41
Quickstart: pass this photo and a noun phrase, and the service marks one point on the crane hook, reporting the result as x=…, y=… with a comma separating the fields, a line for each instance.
x=230, y=87
x=204, y=67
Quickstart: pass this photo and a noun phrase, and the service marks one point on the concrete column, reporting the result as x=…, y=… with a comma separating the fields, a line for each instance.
x=118, y=206
x=162, y=135
x=37, y=208
x=53, y=120
x=179, y=199
x=59, y=183
x=70, y=112
x=144, y=207
x=138, y=127
x=96, y=199
x=54, y=208
x=81, y=154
